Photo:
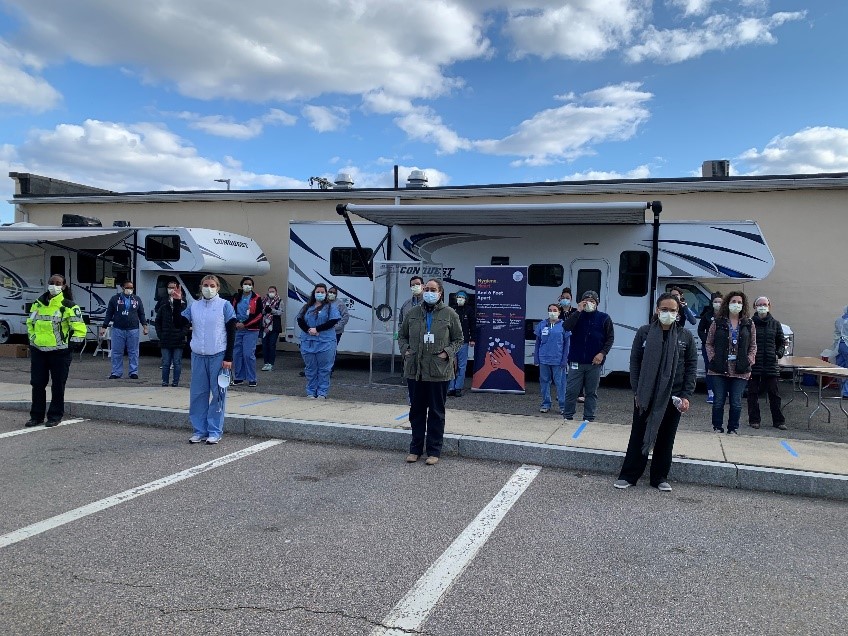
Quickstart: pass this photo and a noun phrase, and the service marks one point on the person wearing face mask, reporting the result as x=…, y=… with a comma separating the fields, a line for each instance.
x=685, y=314
x=468, y=321
x=663, y=369
x=592, y=337
x=55, y=327
x=213, y=321
x=707, y=317
x=272, y=327
x=429, y=338
x=248, y=307
x=765, y=372
x=565, y=306
x=732, y=351
x=840, y=345
x=333, y=297
x=317, y=320
x=416, y=286
x=124, y=312
x=172, y=339
x=550, y=354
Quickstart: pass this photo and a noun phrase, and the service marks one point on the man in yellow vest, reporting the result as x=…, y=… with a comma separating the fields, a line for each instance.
x=56, y=328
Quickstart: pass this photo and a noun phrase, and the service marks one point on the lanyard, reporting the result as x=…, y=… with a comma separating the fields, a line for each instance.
x=734, y=335
x=428, y=317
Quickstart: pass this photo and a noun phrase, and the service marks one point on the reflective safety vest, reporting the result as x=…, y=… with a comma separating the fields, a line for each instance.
x=55, y=322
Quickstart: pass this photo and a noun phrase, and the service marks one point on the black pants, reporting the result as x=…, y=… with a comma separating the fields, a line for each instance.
x=635, y=461
x=44, y=366
x=427, y=417
x=755, y=385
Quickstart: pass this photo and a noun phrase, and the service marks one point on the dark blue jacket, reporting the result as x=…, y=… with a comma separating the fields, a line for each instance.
x=125, y=312
x=591, y=333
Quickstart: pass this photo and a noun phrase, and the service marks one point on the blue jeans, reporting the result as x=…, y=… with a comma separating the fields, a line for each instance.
x=461, y=363
x=722, y=386
x=707, y=368
x=269, y=347
x=206, y=404
x=317, y=372
x=244, y=355
x=842, y=361
x=124, y=339
x=586, y=377
x=168, y=356
x=548, y=372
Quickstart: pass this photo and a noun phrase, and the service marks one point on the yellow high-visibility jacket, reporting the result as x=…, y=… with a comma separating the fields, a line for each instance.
x=54, y=323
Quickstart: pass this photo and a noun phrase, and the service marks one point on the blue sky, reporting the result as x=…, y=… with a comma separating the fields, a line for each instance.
x=173, y=94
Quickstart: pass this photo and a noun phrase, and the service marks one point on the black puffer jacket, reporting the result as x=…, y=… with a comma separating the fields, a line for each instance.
x=771, y=345
x=170, y=336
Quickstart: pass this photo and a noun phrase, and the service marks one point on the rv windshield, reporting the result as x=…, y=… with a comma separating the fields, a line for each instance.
x=192, y=283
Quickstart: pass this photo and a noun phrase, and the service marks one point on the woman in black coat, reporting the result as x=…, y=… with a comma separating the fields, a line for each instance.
x=172, y=339
x=765, y=372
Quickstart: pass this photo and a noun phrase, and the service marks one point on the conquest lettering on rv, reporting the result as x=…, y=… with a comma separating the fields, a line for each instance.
x=427, y=270
x=218, y=241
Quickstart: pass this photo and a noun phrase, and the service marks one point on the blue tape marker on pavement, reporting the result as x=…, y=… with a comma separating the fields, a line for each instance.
x=579, y=430
x=259, y=402
x=789, y=449
x=401, y=417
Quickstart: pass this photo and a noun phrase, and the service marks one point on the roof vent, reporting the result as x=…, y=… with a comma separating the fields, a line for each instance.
x=121, y=224
x=715, y=168
x=416, y=179
x=75, y=220
x=343, y=181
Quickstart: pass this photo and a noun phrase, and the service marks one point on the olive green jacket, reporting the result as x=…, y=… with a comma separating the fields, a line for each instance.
x=424, y=362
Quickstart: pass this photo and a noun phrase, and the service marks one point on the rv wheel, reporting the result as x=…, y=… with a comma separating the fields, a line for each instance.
x=5, y=332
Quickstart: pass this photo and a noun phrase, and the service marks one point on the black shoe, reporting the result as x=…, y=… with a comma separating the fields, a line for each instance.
x=732, y=431
x=175, y=384
x=780, y=427
x=302, y=374
x=458, y=393
x=252, y=385
x=51, y=423
x=33, y=422
x=164, y=384
x=114, y=377
x=133, y=376
x=237, y=382
x=451, y=393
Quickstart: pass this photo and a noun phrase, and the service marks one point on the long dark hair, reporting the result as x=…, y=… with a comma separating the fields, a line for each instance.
x=311, y=302
x=724, y=312
x=67, y=293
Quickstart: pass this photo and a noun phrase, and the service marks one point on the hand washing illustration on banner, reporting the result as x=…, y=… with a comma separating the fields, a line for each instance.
x=501, y=299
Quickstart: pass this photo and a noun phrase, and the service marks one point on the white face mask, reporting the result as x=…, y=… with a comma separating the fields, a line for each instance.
x=717, y=306
x=171, y=292
x=762, y=310
x=54, y=290
x=128, y=292
x=460, y=301
x=331, y=296
x=553, y=315
x=247, y=288
x=589, y=306
x=415, y=289
x=735, y=308
x=667, y=317
x=272, y=294
x=209, y=292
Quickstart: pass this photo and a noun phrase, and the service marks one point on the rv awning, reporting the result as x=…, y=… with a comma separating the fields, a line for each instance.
x=503, y=214
x=32, y=234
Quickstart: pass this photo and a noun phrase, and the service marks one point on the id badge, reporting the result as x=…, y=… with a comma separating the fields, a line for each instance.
x=545, y=331
x=429, y=338
x=731, y=358
x=575, y=366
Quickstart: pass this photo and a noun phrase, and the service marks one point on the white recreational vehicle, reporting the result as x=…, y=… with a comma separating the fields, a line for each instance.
x=97, y=260
x=610, y=248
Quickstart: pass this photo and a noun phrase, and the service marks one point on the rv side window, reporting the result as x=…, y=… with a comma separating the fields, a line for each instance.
x=162, y=247
x=588, y=280
x=545, y=275
x=345, y=261
x=633, y=273
x=112, y=264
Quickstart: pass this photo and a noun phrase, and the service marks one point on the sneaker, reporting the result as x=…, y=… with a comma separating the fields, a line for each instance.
x=237, y=382
x=780, y=427
x=133, y=376
x=754, y=424
x=544, y=409
x=322, y=397
x=175, y=384
x=562, y=412
x=52, y=423
x=451, y=393
x=266, y=367
x=252, y=385
x=718, y=430
x=33, y=422
x=114, y=377
x=164, y=384
x=310, y=397
x=195, y=439
x=213, y=440
x=664, y=486
x=569, y=419
x=302, y=374
x=732, y=431
x=710, y=397
x=621, y=484
x=590, y=419
x=411, y=458
x=431, y=461
x=458, y=393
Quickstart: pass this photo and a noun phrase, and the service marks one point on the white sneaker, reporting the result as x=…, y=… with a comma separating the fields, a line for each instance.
x=322, y=397
x=267, y=367
x=543, y=409
x=195, y=439
x=621, y=484
x=664, y=486
x=213, y=440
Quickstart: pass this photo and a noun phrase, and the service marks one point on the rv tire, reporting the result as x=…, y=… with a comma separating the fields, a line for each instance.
x=5, y=332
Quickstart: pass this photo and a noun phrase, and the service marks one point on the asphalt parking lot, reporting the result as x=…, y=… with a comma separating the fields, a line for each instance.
x=296, y=538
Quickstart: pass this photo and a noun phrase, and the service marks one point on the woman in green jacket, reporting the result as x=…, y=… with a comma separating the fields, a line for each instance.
x=429, y=338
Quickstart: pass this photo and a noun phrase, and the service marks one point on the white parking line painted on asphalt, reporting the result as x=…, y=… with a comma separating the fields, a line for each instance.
x=414, y=608
x=41, y=427
x=72, y=515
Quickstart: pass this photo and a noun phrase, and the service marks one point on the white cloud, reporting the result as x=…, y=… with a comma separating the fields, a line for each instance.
x=20, y=88
x=326, y=119
x=258, y=50
x=423, y=124
x=224, y=126
x=691, y=7
x=611, y=113
x=809, y=151
x=639, y=172
x=717, y=33
x=576, y=29
x=132, y=157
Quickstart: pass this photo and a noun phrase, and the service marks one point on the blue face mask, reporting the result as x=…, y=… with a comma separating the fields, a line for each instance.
x=320, y=296
x=431, y=297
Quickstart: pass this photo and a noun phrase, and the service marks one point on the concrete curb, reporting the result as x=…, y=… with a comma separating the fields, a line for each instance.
x=683, y=470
